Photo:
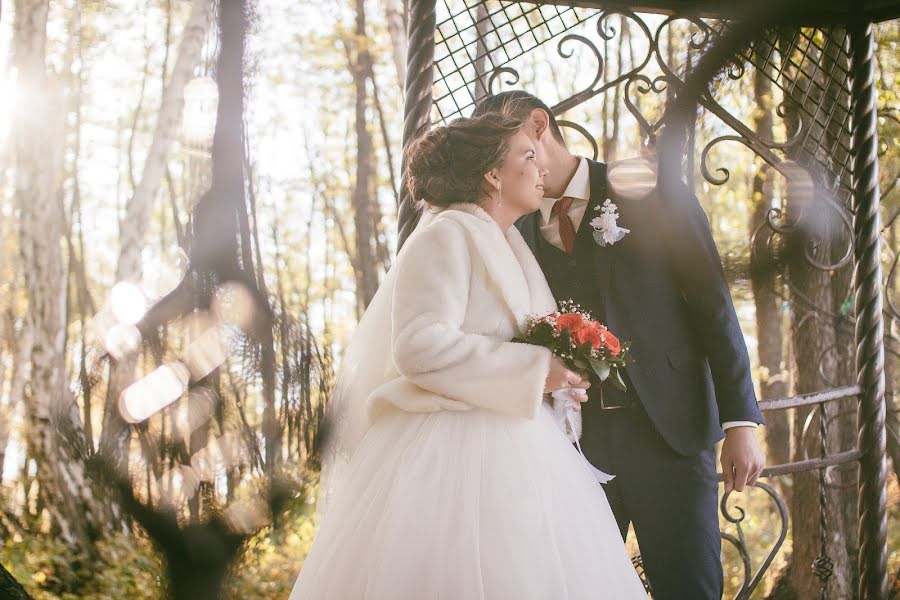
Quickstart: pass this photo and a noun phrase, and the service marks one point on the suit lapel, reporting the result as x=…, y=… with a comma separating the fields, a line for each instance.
x=603, y=255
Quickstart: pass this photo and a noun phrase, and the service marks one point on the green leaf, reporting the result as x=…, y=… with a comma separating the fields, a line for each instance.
x=581, y=365
x=617, y=380
x=600, y=367
x=584, y=351
x=543, y=330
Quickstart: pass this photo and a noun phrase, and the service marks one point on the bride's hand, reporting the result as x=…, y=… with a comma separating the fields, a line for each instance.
x=561, y=376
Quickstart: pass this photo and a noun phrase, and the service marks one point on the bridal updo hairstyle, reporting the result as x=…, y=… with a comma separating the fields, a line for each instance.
x=446, y=165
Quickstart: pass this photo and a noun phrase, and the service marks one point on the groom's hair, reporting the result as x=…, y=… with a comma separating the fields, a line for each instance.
x=517, y=104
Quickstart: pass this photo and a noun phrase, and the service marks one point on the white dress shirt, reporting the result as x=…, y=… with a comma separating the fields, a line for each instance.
x=579, y=189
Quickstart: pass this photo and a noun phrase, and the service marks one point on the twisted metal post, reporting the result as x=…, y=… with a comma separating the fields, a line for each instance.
x=823, y=565
x=873, y=576
x=417, y=105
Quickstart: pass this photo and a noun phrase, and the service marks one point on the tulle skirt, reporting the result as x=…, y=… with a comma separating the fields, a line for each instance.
x=467, y=506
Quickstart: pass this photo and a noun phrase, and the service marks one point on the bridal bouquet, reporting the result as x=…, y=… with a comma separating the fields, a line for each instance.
x=581, y=342
x=584, y=345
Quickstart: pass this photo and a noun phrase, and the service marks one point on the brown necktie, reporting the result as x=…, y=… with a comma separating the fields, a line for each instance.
x=566, y=227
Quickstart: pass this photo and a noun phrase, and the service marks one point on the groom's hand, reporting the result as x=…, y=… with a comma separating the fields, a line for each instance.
x=742, y=458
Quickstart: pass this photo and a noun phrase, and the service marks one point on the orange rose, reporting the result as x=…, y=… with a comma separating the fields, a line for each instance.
x=612, y=342
x=589, y=332
x=573, y=321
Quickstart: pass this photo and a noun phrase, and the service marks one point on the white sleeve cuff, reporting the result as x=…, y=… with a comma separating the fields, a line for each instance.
x=729, y=424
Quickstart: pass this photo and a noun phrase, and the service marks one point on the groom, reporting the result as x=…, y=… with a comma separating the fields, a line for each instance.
x=662, y=287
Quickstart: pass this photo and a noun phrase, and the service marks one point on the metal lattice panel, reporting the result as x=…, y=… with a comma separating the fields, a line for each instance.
x=811, y=67
x=481, y=47
x=476, y=41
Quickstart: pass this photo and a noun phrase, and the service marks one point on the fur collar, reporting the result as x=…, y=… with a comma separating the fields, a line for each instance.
x=510, y=264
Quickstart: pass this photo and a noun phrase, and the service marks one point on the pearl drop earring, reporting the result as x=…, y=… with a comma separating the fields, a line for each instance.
x=499, y=197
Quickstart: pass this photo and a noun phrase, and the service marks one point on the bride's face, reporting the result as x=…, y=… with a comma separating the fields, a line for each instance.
x=520, y=180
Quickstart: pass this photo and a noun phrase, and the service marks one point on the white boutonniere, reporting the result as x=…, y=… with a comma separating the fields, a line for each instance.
x=606, y=229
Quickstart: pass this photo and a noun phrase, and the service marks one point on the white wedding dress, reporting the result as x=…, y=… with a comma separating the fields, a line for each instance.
x=460, y=485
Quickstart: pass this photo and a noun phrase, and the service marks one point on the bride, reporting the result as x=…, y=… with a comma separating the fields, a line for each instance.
x=446, y=475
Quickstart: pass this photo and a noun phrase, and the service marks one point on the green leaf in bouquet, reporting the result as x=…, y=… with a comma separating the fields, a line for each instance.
x=581, y=365
x=565, y=338
x=542, y=333
x=600, y=367
x=617, y=379
x=584, y=350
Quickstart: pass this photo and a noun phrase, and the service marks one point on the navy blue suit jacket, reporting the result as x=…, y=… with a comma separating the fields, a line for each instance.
x=665, y=291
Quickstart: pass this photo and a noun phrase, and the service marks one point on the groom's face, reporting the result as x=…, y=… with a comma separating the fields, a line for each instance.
x=537, y=129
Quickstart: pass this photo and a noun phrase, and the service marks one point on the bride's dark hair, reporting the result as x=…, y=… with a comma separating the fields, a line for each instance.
x=446, y=164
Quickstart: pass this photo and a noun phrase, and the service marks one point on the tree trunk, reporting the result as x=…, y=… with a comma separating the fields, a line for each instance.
x=767, y=292
x=382, y=252
x=613, y=147
x=115, y=435
x=842, y=431
x=604, y=107
x=366, y=276
x=892, y=423
x=20, y=349
x=816, y=366
x=19, y=343
x=140, y=206
x=55, y=437
x=482, y=26
x=892, y=353
x=891, y=356
x=271, y=426
x=10, y=588
x=394, y=16
x=813, y=338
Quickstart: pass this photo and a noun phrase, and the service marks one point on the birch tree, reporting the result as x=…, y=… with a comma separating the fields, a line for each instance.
x=139, y=209
x=55, y=434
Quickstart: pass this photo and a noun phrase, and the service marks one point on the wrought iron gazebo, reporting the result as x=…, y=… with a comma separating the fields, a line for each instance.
x=820, y=57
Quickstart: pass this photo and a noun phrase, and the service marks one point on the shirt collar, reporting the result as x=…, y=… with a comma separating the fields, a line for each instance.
x=579, y=188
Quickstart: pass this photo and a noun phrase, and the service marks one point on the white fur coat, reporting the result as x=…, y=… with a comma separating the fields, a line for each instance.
x=462, y=291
